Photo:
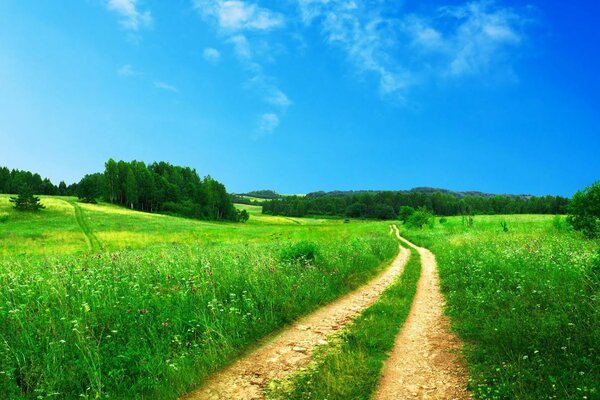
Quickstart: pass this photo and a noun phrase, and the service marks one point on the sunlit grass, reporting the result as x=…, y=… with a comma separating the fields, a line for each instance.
x=165, y=301
x=526, y=302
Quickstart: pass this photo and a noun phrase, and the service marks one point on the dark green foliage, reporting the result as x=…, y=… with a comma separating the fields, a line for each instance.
x=389, y=205
x=443, y=220
x=26, y=201
x=419, y=218
x=166, y=188
x=242, y=216
x=263, y=194
x=504, y=226
x=584, y=211
x=12, y=181
x=405, y=212
x=304, y=251
x=90, y=188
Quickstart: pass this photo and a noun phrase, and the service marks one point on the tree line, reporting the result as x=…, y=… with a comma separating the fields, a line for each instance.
x=387, y=205
x=14, y=180
x=157, y=187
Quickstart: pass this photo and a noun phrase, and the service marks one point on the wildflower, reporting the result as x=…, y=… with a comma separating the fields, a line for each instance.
x=143, y=311
x=165, y=323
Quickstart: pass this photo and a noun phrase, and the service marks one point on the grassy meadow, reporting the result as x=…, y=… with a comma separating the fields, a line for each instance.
x=526, y=301
x=166, y=301
x=98, y=301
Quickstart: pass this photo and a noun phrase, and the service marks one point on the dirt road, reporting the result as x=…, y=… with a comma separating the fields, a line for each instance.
x=424, y=363
x=291, y=349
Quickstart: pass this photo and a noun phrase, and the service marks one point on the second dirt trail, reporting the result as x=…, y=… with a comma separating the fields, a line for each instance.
x=425, y=361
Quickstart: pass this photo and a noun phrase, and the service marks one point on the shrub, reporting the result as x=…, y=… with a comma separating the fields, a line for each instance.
x=584, y=211
x=305, y=251
x=419, y=218
x=405, y=213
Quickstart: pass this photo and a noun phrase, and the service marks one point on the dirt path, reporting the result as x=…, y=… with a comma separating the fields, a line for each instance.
x=424, y=363
x=91, y=239
x=292, y=348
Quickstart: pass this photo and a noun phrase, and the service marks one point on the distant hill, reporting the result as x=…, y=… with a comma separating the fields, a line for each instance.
x=422, y=189
x=263, y=194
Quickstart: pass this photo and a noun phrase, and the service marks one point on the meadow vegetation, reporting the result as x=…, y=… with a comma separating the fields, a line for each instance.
x=171, y=301
x=523, y=292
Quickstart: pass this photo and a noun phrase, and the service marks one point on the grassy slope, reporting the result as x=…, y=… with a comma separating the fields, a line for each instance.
x=349, y=368
x=155, y=319
x=526, y=302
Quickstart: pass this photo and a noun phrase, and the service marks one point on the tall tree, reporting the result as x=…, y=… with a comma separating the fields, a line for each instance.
x=131, y=190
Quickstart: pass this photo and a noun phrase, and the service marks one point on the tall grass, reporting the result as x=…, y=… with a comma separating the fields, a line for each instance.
x=526, y=302
x=154, y=323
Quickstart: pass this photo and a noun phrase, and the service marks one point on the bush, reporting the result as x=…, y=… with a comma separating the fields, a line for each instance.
x=419, y=218
x=302, y=251
x=584, y=211
x=405, y=213
x=443, y=220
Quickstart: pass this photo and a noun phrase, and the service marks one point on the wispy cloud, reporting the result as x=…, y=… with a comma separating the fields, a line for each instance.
x=165, y=86
x=132, y=18
x=236, y=20
x=363, y=33
x=403, y=51
x=236, y=15
x=267, y=123
x=211, y=55
x=127, y=70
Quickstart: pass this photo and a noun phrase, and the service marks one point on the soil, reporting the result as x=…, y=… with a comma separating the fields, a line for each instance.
x=425, y=362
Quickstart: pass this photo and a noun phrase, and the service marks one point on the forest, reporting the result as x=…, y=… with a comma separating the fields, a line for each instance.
x=386, y=205
x=158, y=187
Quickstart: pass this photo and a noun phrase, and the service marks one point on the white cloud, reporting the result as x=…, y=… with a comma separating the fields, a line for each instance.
x=238, y=15
x=165, y=86
x=127, y=70
x=363, y=34
x=277, y=98
x=482, y=34
x=402, y=51
x=267, y=123
x=211, y=55
x=241, y=47
x=131, y=17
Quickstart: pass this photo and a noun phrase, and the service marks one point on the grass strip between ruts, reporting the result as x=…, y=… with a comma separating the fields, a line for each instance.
x=350, y=365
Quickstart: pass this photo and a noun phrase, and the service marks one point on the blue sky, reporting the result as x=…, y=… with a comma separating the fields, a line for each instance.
x=305, y=95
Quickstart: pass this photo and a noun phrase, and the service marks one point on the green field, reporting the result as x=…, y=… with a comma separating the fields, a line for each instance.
x=103, y=302
x=98, y=301
x=526, y=302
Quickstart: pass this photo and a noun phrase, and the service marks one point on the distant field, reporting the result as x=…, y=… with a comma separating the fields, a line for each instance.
x=55, y=230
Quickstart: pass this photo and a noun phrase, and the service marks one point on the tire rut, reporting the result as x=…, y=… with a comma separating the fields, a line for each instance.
x=291, y=349
x=91, y=239
x=425, y=362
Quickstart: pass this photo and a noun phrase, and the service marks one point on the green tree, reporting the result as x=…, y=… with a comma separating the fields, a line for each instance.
x=26, y=201
x=419, y=218
x=111, y=173
x=584, y=211
x=131, y=190
x=405, y=213
x=242, y=215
